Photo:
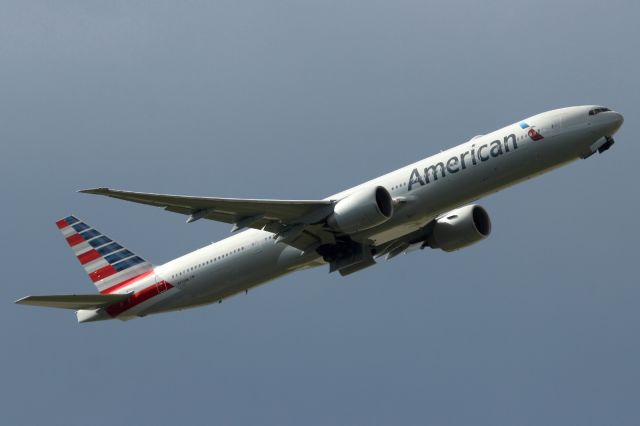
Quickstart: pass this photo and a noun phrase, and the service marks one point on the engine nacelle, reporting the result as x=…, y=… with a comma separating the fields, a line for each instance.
x=362, y=210
x=460, y=228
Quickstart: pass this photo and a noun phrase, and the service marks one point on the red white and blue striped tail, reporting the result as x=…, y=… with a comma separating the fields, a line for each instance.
x=109, y=265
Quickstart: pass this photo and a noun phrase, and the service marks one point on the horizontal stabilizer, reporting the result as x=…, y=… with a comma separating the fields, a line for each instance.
x=74, y=301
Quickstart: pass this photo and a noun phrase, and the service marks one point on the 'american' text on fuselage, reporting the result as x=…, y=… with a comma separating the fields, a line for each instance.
x=460, y=162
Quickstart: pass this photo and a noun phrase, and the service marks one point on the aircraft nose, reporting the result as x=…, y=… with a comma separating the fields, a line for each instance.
x=615, y=122
x=606, y=123
x=619, y=118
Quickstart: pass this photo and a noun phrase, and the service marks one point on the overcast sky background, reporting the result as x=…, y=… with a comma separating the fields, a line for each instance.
x=539, y=324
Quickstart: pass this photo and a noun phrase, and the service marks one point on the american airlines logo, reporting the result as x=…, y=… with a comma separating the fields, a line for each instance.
x=466, y=159
x=533, y=134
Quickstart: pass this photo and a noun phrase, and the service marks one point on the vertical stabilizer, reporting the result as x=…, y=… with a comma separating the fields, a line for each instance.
x=109, y=265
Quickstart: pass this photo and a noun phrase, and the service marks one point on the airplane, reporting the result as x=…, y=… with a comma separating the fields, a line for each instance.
x=430, y=203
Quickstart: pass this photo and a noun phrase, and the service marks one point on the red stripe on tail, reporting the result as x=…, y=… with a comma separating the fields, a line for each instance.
x=104, y=272
x=75, y=239
x=62, y=224
x=125, y=283
x=88, y=256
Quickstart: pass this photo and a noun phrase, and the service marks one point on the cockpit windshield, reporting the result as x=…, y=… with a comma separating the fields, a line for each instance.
x=598, y=111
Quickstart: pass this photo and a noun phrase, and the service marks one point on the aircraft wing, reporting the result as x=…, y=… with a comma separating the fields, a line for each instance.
x=406, y=243
x=74, y=301
x=296, y=222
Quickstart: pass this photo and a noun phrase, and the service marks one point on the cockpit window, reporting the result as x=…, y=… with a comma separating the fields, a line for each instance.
x=598, y=111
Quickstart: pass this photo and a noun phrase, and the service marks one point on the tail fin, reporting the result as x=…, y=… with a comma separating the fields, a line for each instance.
x=109, y=265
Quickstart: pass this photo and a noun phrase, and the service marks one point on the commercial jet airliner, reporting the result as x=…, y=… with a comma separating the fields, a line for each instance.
x=426, y=204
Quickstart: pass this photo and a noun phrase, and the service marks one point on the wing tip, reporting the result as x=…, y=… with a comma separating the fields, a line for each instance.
x=97, y=191
x=22, y=300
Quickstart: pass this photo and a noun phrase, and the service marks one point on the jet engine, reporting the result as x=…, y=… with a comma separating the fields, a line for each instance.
x=362, y=210
x=460, y=228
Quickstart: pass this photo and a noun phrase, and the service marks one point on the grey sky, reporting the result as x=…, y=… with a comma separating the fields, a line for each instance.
x=300, y=99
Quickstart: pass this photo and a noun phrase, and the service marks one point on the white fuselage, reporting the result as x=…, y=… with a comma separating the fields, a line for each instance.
x=429, y=188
